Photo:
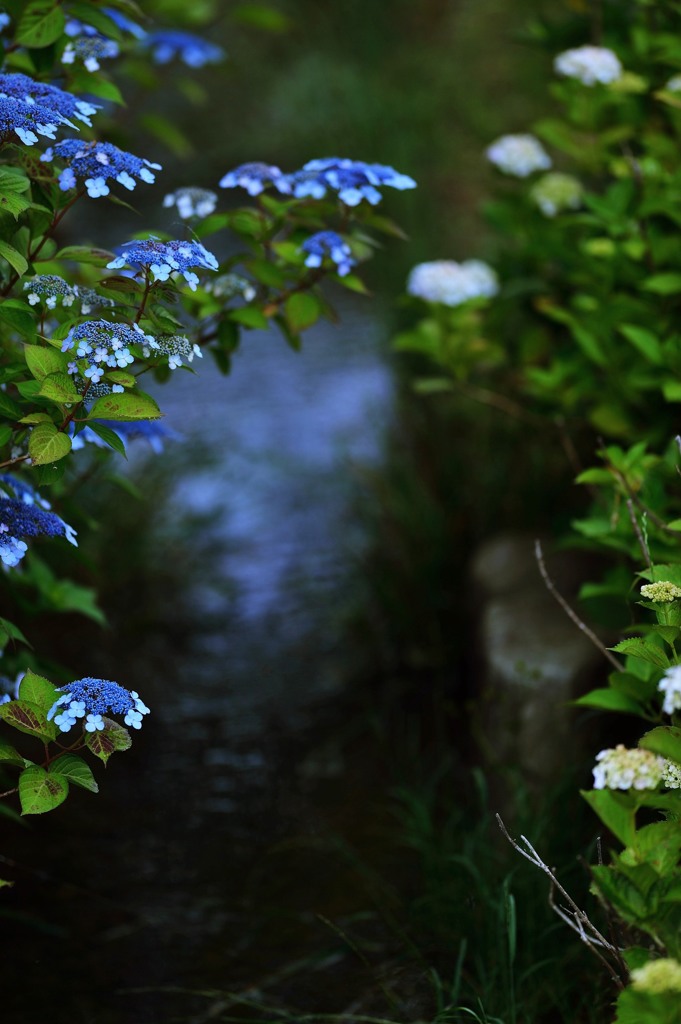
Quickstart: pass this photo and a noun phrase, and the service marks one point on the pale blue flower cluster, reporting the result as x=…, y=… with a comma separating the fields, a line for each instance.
x=228, y=286
x=103, y=345
x=590, y=65
x=192, y=202
x=41, y=104
x=50, y=289
x=352, y=180
x=519, y=155
x=151, y=431
x=91, y=699
x=88, y=48
x=165, y=258
x=452, y=283
x=328, y=245
x=97, y=163
x=166, y=45
x=175, y=346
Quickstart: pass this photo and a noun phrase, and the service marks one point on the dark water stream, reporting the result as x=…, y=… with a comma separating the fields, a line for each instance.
x=174, y=878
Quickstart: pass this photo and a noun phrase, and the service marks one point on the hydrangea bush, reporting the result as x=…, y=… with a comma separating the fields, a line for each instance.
x=82, y=327
x=583, y=336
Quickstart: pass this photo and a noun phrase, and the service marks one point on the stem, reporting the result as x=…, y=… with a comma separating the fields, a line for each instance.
x=32, y=253
x=8, y=792
x=145, y=296
x=13, y=462
x=309, y=282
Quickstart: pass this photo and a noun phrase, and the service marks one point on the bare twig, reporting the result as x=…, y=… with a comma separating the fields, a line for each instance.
x=639, y=534
x=572, y=915
x=569, y=611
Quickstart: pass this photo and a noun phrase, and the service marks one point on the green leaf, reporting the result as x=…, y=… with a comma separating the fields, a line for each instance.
x=643, y=648
x=85, y=254
x=663, y=284
x=75, y=770
x=40, y=791
x=20, y=316
x=644, y=341
x=41, y=24
x=14, y=258
x=126, y=407
x=12, y=203
x=609, y=700
x=38, y=690
x=105, y=742
x=671, y=390
x=250, y=316
x=664, y=740
x=59, y=387
x=261, y=16
x=8, y=755
x=28, y=718
x=616, y=811
x=47, y=444
x=12, y=632
x=109, y=436
x=127, y=380
x=42, y=361
x=90, y=15
x=301, y=311
x=9, y=408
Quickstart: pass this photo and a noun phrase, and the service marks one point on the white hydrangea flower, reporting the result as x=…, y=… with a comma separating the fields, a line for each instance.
x=663, y=591
x=671, y=775
x=674, y=84
x=670, y=686
x=627, y=769
x=452, y=283
x=556, y=192
x=590, y=65
x=519, y=155
x=661, y=975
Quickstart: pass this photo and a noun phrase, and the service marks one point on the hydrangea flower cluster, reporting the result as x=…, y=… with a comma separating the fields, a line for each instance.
x=670, y=686
x=166, y=45
x=175, y=346
x=50, y=288
x=89, y=49
x=97, y=163
x=671, y=775
x=9, y=688
x=452, y=283
x=192, y=202
x=91, y=699
x=328, y=245
x=164, y=258
x=38, y=96
x=104, y=345
x=674, y=84
x=228, y=286
x=627, y=769
x=556, y=192
x=353, y=180
x=662, y=591
x=590, y=65
x=657, y=976
x=151, y=431
x=19, y=519
x=519, y=155
x=255, y=177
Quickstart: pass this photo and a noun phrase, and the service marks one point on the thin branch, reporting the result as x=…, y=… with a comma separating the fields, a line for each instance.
x=569, y=611
x=639, y=534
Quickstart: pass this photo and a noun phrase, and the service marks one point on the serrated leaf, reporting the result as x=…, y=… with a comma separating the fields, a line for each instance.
x=75, y=770
x=40, y=791
x=8, y=755
x=665, y=740
x=28, y=718
x=14, y=258
x=105, y=742
x=13, y=632
x=41, y=24
x=616, y=811
x=59, y=387
x=47, y=444
x=125, y=407
x=9, y=408
x=12, y=203
x=38, y=690
x=85, y=254
x=42, y=361
x=642, y=648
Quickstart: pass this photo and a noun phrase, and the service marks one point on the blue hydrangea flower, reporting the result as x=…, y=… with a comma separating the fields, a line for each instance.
x=192, y=202
x=175, y=346
x=255, y=178
x=27, y=121
x=9, y=688
x=13, y=486
x=102, y=345
x=164, y=258
x=62, y=105
x=166, y=45
x=4, y=20
x=151, y=431
x=91, y=699
x=125, y=24
x=328, y=244
x=19, y=519
x=97, y=163
x=50, y=289
x=89, y=48
x=353, y=180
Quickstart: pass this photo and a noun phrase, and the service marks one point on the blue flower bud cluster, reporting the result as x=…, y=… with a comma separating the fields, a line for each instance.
x=61, y=105
x=102, y=344
x=97, y=163
x=195, y=52
x=50, y=288
x=164, y=258
x=328, y=244
x=91, y=699
x=175, y=346
x=89, y=49
x=20, y=519
x=352, y=180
